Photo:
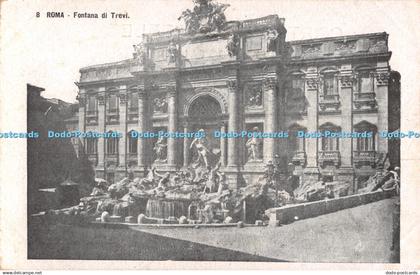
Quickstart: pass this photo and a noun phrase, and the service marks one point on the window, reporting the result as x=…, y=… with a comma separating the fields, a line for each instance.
x=295, y=89
x=330, y=85
x=112, y=146
x=297, y=85
x=295, y=143
x=112, y=103
x=132, y=144
x=134, y=101
x=329, y=144
x=91, y=104
x=367, y=143
x=365, y=82
x=295, y=94
x=91, y=146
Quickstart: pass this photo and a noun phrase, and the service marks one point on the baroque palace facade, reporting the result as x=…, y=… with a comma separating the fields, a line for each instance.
x=241, y=75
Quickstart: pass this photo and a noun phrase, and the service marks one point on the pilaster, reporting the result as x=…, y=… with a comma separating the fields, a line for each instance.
x=81, y=97
x=223, y=145
x=232, y=153
x=346, y=83
x=186, y=148
x=381, y=91
x=311, y=172
x=172, y=125
x=122, y=144
x=101, y=126
x=311, y=92
x=141, y=127
x=270, y=116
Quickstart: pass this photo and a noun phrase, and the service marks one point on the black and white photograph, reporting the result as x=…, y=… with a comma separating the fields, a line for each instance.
x=215, y=131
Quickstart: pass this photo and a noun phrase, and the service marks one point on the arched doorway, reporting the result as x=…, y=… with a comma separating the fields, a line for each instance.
x=205, y=113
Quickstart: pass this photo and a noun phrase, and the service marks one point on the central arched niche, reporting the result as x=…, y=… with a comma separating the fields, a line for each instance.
x=205, y=113
x=205, y=109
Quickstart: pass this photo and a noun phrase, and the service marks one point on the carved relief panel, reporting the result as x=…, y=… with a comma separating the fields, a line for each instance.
x=253, y=95
x=159, y=103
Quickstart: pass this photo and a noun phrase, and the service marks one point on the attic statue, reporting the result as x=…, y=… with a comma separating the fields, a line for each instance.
x=140, y=53
x=172, y=52
x=206, y=16
x=232, y=45
x=272, y=36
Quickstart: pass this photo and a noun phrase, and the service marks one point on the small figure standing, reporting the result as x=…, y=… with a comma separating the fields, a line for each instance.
x=140, y=53
x=232, y=45
x=172, y=52
x=272, y=36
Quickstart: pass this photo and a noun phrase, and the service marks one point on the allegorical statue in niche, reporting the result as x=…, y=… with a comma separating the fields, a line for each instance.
x=160, y=149
x=206, y=16
x=140, y=53
x=232, y=45
x=172, y=52
x=272, y=36
x=252, y=146
x=200, y=145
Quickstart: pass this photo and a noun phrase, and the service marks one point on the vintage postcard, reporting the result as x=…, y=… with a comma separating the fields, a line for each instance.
x=209, y=134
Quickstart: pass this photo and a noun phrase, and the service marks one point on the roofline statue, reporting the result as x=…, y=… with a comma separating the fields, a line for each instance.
x=207, y=16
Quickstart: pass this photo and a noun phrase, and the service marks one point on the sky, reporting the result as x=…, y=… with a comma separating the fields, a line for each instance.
x=54, y=49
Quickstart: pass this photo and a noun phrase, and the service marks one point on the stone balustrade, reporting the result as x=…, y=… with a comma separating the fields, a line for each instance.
x=364, y=99
x=299, y=158
x=329, y=157
x=364, y=157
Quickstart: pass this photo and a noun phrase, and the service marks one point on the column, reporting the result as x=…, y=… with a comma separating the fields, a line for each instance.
x=311, y=92
x=381, y=91
x=101, y=126
x=141, y=127
x=186, y=151
x=122, y=143
x=346, y=99
x=311, y=172
x=232, y=154
x=81, y=97
x=270, y=116
x=223, y=145
x=346, y=172
x=172, y=125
